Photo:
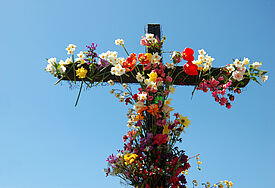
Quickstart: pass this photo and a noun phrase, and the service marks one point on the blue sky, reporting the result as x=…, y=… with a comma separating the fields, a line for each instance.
x=46, y=142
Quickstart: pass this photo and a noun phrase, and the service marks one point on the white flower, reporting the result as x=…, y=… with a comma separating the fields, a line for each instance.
x=142, y=96
x=230, y=68
x=138, y=106
x=242, y=69
x=238, y=63
x=121, y=60
x=68, y=61
x=263, y=78
x=113, y=60
x=111, y=82
x=117, y=70
x=175, y=53
x=71, y=48
x=209, y=59
x=52, y=61
x=103, y=56
x=113, y=71
x=62, y=69
x=81, y=55
x=119, y=42
x=256, y=65
x=237, y=75
x=202, y=52
x=155, y=58
x=50, y=68
x=111, y=54
x=149, y=36
x=201, y=58
x=170, y=65
x=139, y=77
x=207, y=66
x=246, y=61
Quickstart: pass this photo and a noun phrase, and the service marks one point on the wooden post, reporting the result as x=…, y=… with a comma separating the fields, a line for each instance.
x=153, y=29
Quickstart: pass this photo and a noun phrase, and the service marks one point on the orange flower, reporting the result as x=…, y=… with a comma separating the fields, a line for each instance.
x=130, y=63
x=142, y=109
x=153, y=109
x=139, y=117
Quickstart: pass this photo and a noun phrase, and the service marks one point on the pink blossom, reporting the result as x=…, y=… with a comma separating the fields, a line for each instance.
x=220, y=78
x=144, y=42
x=168, y=79
x=159, y=79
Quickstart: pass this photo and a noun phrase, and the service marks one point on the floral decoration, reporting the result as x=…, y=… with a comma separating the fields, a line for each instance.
x=149, y=157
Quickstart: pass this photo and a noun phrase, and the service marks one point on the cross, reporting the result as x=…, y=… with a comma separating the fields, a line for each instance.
x=151, y=113
x=188, y=81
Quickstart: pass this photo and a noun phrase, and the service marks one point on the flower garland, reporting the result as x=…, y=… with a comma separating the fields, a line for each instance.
x=149, y=158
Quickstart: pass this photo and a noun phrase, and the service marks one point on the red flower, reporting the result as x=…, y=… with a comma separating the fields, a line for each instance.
x=160, y=139
x=130, y=63
x=143, y=59
x=188, y=54
x=190, y=68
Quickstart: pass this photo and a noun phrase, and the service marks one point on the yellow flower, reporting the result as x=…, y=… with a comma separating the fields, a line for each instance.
x=184, y=121
x=168, y=101
x=172, y=89
x=199, y=162
x=81, y=72
x=130, y=158
x=153, y=76
x=230, y=184
x=166, y=130
x=149, y=56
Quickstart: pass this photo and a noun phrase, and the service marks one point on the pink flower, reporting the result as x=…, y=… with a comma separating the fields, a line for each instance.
x=168, y=79
x=144, y=42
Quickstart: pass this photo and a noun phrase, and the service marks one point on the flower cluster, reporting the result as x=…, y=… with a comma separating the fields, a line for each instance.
x=149, y=157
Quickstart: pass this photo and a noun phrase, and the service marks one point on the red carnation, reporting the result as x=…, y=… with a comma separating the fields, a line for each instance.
x=190, y=68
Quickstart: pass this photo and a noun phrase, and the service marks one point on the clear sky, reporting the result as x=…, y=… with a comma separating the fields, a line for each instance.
x=46, y=142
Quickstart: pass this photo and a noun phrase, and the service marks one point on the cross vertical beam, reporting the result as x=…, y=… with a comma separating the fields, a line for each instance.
x=153, y=29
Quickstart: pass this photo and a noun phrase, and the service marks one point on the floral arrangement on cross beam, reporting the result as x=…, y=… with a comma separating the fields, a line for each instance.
x=149, y=157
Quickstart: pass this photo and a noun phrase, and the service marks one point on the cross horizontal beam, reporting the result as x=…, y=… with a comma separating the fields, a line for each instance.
x=181, y=79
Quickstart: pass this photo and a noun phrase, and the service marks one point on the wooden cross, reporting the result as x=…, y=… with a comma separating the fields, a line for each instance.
x=188, y=79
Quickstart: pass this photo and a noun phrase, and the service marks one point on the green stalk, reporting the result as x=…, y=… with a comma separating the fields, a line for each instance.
x=125, y=49
x=79, y=93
